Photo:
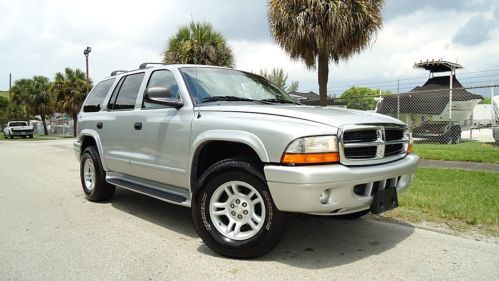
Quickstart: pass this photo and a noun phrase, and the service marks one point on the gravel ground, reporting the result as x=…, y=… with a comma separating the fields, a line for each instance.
x=48, y=231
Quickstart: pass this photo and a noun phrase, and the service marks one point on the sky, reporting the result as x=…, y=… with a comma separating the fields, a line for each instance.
x=44, y=37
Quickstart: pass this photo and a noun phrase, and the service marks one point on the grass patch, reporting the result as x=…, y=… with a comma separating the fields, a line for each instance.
x=4, y=94
x=35, y=138
x=465, y=151
x=464, y=200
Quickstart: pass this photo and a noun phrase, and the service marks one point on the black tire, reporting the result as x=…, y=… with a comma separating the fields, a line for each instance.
x=353, y=216
x=11, y=136
x=101, y=190
x=30, y=136
x=265, y=239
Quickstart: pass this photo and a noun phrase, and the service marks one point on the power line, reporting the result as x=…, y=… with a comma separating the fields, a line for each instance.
x=385, y=83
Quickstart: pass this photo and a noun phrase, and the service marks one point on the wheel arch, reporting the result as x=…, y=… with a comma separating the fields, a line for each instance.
x=223, y=144
x=91, y=137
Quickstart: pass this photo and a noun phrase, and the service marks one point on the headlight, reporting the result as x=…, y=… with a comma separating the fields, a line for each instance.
x=312, y=150
x=408, y=136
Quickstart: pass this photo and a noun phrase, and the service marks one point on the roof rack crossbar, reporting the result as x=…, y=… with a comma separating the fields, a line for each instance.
x=144, y=65
x=118, y=71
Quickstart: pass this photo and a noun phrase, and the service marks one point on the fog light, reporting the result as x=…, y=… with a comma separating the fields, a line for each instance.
x=324, y=196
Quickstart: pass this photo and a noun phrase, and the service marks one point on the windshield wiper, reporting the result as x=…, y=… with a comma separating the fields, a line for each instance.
x=228, y=98
x=279, y=101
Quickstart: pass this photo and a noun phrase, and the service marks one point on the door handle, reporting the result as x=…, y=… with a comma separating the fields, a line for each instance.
x=100, y=125
x=137, y=126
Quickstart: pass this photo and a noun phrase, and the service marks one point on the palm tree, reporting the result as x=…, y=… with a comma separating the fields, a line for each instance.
x=198, y=43
x=69, y=90
x=21, y=91
x=40, y=99
x=319, y=31
x=280, y=79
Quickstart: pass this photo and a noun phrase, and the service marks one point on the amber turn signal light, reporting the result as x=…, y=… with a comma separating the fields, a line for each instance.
x=310, y=158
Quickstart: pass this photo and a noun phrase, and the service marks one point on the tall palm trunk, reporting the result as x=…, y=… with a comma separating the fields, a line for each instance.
x=75, y=119
x=323, y=76
x=45, y=132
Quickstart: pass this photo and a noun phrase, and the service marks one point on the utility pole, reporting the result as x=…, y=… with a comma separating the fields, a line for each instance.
x=10, y=86
x=86, y=52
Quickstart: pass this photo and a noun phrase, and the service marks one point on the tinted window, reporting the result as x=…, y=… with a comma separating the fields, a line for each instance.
x=128, y=92
x=96, y=97
x=165, y=79
x=15, y=124
x=112, y=99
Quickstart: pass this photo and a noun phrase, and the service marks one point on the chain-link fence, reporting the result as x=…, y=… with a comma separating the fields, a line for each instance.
x=434, y=112
x=442, y=115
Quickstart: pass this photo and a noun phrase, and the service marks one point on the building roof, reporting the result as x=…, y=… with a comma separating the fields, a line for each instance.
x=437, y=65
x=431, y=98
x=308, y=96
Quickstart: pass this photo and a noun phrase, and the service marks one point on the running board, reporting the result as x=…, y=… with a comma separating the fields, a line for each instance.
x=167, y=194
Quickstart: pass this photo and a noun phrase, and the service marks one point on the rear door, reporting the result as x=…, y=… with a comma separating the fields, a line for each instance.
x=117, y=124
x=162, y=145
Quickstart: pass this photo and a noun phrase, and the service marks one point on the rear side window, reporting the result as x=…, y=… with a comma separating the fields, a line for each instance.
x=96, y=97
x=127, y=92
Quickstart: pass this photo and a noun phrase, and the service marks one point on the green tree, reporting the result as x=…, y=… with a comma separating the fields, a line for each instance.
x=4, y=103
x=21, y=91
x=320, y=31
x=198, y=43
x=280, y=79
x=362, y=98
x=40, y=102
x=486, y=100
x=69, y=90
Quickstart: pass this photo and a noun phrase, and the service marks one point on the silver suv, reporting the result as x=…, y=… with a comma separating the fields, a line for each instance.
x=238, y=150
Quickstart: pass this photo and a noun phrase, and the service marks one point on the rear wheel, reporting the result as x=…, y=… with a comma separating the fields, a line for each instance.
x=93, y=177
x=234, y=213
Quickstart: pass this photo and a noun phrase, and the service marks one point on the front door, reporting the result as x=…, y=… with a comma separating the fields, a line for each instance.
x=162, y=145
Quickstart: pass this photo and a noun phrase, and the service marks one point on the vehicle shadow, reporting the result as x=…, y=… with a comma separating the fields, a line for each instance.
x=170, y=216
x=315, y=242
x=309, y=242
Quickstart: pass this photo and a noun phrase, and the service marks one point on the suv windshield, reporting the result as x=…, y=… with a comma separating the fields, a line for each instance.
x=219, y=84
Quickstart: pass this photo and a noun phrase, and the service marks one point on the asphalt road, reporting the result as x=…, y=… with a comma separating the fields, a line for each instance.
x=48, y=231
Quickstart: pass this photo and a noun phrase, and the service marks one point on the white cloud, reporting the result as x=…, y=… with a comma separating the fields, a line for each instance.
x=43, y=37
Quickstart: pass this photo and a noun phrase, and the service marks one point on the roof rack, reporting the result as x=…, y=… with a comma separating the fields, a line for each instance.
x=144, y=65
x=118, y=71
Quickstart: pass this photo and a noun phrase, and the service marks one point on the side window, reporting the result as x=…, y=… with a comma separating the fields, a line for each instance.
x=165, y=79
x=96, y=97
x=127, y=92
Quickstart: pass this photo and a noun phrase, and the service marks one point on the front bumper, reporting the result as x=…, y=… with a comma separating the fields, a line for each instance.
x=298, y=188
x=77, y=149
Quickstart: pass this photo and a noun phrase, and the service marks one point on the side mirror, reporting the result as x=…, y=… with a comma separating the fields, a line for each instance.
x=163, y=96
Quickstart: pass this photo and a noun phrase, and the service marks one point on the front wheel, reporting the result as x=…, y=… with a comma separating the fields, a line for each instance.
x=234, y=213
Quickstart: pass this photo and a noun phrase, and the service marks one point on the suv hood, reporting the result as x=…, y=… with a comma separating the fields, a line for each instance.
x=331, y=116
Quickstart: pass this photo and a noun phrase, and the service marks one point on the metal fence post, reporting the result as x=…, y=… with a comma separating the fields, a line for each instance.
x=492, y=111
x=398, y=99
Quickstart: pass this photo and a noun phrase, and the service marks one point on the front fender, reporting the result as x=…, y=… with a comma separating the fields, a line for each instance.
x=246, y=138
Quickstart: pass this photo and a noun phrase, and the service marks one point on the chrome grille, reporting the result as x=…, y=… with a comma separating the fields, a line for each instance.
x=372, y=144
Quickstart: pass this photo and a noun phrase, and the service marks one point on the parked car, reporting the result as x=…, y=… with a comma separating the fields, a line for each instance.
x=237, y=150
x=18, y=129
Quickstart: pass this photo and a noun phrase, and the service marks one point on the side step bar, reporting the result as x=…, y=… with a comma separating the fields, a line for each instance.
x=165, y=194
